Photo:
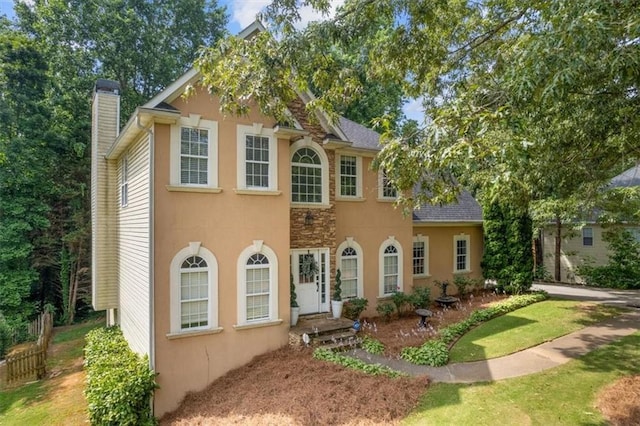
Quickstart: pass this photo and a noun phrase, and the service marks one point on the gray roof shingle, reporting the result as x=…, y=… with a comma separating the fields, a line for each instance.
x=627, y=178
x=359, y=135
x=466, y=209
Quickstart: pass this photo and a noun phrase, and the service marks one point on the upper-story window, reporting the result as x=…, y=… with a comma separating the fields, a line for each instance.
x=306, y=176
x=194, y=152
x=349, y=179
x=461, y=258
x=587, y=236
x=124, y=184
x=194, y=156
x=386, y=190
x=257, y=158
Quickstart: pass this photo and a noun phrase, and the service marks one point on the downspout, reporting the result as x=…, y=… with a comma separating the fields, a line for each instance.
x=152, y=360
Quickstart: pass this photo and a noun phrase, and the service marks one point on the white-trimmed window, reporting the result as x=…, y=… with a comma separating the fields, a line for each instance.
x=194, y=290
x=309, y=173
x=194, y=152
x=349, y=180
x=390, y=259
x=257, y=285
x=124, y=183
x=461, y=256
x=386, y=190
x=351, y=268
x=257, y=158
x=587, y=236
x=420, y=255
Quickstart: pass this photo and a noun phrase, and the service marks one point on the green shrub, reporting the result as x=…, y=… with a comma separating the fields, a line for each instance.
x=354, y=363
x=385, y=310
x=435, y=352
x=353, y=308
x=464, y=284
x=120, y=383
x=420, y=298
x=401, y=301
x=372, y=345
x=623, y=269
x=5, y=336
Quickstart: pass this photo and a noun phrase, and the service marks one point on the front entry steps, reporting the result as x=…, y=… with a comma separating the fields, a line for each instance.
x=324, y=331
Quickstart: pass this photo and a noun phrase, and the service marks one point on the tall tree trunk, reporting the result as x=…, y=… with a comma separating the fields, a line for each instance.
x=558, y=249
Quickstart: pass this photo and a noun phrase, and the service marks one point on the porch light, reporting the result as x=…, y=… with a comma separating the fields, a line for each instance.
x=308, y=218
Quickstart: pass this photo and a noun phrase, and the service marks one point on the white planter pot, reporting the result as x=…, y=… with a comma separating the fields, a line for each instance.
x=336, y=308
x=295, y=313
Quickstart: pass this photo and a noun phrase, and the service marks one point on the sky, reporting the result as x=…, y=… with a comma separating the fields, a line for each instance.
x=242, y=13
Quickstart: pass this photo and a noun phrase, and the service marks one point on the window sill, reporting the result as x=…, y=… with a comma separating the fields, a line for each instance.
x=462, y=271
x=351, y=199
x=204, y=189
x=387, y=200
x=194, y=333
x=310, y=206
x=256, y=192
x=258, y=324
x=422, y=276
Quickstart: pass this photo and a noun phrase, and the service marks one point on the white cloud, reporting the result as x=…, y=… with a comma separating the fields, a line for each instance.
x=244, y=12
x=414, y=109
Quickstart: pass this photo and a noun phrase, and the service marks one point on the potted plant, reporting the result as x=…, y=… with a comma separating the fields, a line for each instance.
x=295, y=308
x=336, y=300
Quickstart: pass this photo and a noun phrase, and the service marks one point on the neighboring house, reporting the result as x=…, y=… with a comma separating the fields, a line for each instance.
x=585, y=243
x=199, y=221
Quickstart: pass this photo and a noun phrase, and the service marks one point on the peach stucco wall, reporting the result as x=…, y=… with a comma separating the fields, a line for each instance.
x=370, y=223
x=441, y=254
x=225, y=223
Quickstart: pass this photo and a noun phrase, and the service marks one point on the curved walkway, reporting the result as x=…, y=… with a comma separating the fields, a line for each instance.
x=528, y=361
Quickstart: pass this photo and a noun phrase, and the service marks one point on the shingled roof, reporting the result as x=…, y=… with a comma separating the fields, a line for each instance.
x=359, y=135
x=627, y=178
x=466, y=209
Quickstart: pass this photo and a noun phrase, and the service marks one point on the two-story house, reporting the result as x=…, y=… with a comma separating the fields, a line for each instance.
x=199, y=220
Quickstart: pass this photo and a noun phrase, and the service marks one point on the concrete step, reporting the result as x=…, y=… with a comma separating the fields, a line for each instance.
x=342, y=345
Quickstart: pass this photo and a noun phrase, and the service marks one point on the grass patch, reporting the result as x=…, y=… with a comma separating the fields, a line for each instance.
x=53, y=401
x=560, y=396
x=527, y=327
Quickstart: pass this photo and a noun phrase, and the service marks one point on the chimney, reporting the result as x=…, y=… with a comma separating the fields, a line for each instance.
x=105, y=126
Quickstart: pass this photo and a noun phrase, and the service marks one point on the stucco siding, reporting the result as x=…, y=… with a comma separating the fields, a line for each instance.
x=104, y=129
x=134, y=247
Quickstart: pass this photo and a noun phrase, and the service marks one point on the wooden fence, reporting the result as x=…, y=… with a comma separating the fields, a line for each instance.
x=32, y=361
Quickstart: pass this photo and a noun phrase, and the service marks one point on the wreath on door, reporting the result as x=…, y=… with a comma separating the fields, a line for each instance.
x=309, y=266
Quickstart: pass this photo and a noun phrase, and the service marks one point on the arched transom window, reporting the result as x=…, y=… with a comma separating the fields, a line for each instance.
x=349, y=270
x=306, y=176
x=391, y=269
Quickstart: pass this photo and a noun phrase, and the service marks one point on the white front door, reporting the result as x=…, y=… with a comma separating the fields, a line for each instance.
x=312, y=290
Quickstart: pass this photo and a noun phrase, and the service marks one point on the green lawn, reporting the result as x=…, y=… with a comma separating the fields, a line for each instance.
x=564, y=395
x=53, y=401
x=527, y=327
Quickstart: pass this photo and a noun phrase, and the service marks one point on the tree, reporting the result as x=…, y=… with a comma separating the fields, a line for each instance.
x=145, y=45
x=25, y=159
x=512, y=90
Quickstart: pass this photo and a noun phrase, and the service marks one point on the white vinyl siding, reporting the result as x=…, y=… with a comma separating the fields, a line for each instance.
x=134, y=250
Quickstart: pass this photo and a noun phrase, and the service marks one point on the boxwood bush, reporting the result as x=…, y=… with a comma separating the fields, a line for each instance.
x=436, y=352
x=120, y=382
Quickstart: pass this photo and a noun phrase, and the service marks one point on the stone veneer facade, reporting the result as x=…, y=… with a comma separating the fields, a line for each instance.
x=322, y=233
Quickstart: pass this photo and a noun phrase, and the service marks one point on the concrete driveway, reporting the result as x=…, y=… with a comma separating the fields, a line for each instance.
x=628, y=298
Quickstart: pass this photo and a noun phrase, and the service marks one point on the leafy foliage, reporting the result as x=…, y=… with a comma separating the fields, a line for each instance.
x=355, y=364
x=5, y=336
x=508, y=257
x=420, y=297
x=401, y=301
x=353, y=308
x=623, y=269
x=372, y=345
x=436, y=353
x=337, y=289
x=385, y=309
x=120, y=383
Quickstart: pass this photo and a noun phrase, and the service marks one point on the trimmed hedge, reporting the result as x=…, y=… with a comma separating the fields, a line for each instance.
x=120, y=382
x=436, y=352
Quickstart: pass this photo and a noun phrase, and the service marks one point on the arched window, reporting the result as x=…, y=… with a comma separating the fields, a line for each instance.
x=306, y=176
x=390, y=267
x=350, y=261
x=257, y=285
x=194, y=290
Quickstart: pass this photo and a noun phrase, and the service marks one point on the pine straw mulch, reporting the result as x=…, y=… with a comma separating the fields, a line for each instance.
x=289, y=387
x=620, y=402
